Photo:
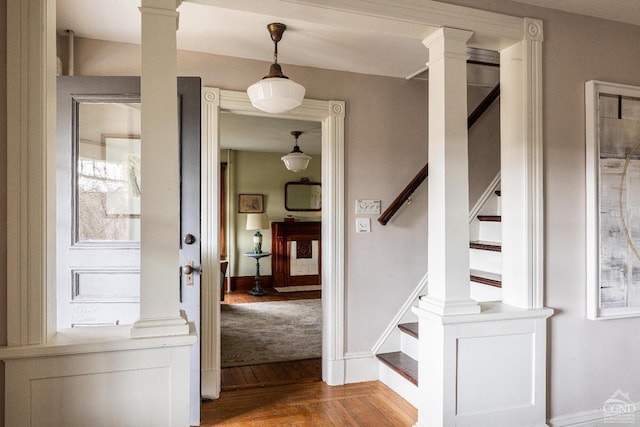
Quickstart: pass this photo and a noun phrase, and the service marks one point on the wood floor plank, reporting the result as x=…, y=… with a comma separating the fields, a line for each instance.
x=271, y=374
x=369, y=404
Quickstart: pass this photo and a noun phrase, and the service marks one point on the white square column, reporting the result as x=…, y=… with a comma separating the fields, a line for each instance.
x=160, y=175
x=448, y=291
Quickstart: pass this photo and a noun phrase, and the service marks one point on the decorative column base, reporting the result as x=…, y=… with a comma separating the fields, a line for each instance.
x=145, y=328
x=449, y=308
x=483, y=369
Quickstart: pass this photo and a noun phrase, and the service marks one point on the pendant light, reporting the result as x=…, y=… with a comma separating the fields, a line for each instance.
x=296, y=160
x=276, y=93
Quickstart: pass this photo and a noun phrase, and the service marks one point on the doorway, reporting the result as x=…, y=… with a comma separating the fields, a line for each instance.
x=263, y=327
x=330, y=115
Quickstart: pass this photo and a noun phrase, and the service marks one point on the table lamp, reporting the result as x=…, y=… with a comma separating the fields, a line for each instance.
x=257, y=222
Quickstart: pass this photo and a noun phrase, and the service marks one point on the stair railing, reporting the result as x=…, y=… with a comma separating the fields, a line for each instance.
x=405, y=195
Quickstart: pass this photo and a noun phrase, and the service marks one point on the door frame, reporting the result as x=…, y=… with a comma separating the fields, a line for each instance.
x=331, y=116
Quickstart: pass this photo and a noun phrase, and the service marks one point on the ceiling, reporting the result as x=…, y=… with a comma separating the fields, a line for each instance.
x=316, y=42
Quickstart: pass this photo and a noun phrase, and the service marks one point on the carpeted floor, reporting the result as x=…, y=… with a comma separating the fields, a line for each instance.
x=265, y=332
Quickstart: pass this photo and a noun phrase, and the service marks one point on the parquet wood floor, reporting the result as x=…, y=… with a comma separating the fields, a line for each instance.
x=316, y=404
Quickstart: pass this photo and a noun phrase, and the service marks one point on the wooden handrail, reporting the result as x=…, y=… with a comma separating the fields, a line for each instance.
x=424, y=172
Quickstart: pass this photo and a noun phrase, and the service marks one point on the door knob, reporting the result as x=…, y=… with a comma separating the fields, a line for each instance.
x=189, y=239
x=188, y=269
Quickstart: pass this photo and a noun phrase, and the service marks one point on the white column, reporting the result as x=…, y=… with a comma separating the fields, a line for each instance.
x=448, y=291
x=522, y=190
x=160, y=180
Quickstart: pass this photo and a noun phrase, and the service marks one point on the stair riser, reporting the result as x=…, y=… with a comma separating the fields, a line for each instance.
x=490, y=231
x=400, y=385
x=409, y=345
x=482, y=293
x=484, y=260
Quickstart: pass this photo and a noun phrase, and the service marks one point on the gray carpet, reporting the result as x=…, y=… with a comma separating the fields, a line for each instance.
x=265, y=332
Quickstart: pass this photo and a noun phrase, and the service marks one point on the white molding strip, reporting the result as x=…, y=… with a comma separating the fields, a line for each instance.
x=594, y=418
x=31, y=65
x=210, y=256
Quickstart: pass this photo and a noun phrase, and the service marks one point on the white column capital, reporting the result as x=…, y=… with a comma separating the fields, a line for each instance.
x=161, y=4
x=452, y=38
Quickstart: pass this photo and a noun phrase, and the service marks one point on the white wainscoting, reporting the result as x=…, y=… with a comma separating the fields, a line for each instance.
x=99, y=382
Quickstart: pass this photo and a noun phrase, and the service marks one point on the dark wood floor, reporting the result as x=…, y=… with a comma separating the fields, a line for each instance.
x=241, y=297
x=316, y=404
x=271, y=374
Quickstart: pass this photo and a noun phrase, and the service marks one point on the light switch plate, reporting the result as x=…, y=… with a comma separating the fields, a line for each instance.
x=367, y=207
x=363, y=225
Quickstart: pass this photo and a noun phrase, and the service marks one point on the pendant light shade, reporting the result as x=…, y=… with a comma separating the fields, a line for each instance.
x=276, y=93
x=296, y=160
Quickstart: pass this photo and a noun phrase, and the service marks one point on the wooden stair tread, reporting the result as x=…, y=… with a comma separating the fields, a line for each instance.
x=409, y=329
x=402, y=364
x=486, y=278
x=487, y=246
x=490, y=218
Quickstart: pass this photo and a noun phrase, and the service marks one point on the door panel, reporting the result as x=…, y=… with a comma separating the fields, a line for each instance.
x=98, y=247
x=98, y=204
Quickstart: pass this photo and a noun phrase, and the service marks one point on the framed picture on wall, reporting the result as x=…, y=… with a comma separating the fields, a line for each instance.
x=612, y=200
x=250, y=203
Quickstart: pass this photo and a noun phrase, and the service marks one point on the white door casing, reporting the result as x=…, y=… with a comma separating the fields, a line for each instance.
x=331, y=115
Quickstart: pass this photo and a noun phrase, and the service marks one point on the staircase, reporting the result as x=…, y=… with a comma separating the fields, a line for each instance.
x=399, y=369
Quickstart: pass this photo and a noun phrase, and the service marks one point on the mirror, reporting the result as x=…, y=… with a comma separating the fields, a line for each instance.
x=303, y=195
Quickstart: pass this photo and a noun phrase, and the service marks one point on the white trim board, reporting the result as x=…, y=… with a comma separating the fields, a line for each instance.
x=592, y=418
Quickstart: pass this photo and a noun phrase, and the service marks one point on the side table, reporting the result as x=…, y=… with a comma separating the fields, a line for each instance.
x=257, y=289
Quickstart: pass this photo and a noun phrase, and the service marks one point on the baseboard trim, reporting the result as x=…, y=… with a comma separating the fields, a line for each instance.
x=246, y=283
x=303, y=288
x=360, y=367
x=593, y=418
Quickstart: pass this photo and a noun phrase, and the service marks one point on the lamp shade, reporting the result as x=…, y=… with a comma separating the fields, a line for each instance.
x=296, y=161
x=258, y=221
x=276, y=94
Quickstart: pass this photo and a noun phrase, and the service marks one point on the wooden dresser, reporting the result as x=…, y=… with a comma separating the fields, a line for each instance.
x=306, y=252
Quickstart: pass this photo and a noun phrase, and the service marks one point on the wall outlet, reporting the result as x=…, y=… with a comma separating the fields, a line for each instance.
x=363, y=225
x=367, y=207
